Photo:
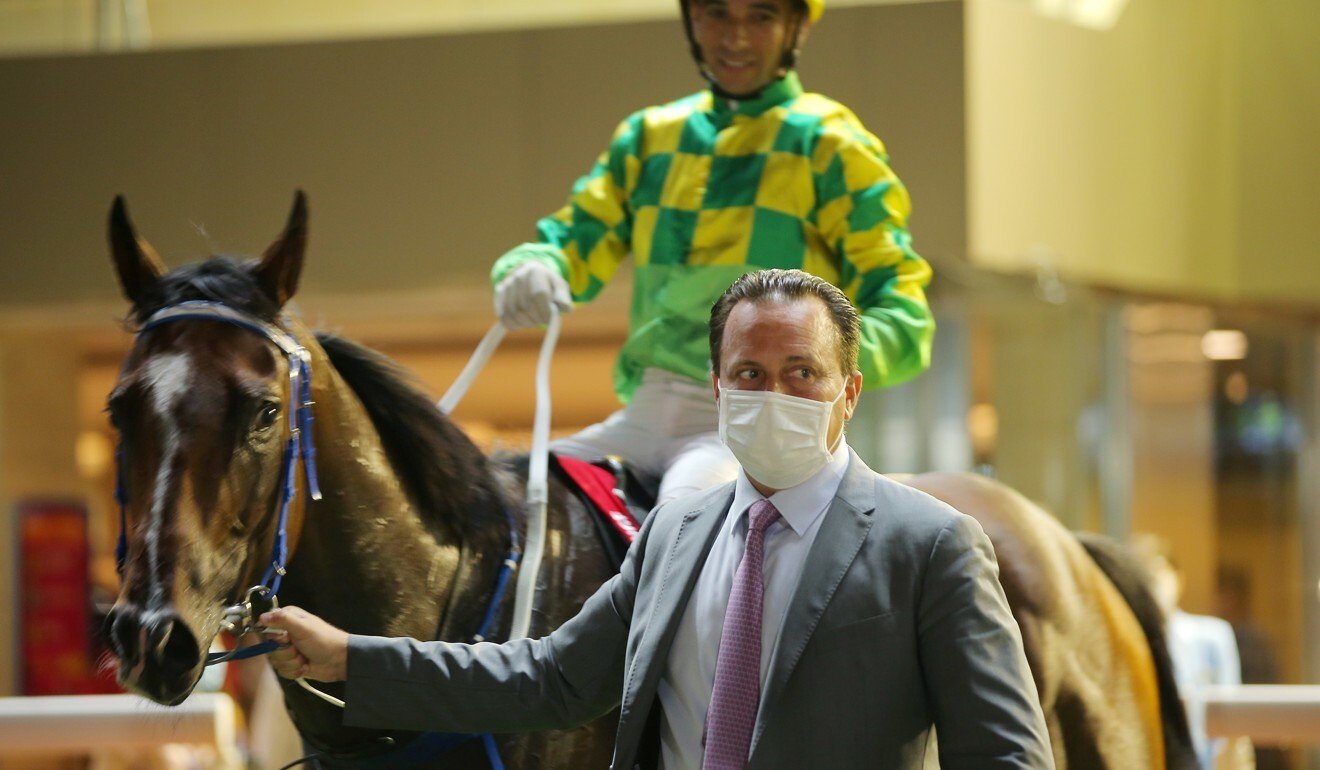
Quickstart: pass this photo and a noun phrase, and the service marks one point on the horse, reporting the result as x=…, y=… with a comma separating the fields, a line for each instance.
x=409, y=537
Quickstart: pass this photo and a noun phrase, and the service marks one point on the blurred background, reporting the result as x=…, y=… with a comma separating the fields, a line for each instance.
x=1118, y=198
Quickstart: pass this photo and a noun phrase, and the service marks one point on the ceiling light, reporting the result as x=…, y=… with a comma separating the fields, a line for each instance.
x=1224, y=345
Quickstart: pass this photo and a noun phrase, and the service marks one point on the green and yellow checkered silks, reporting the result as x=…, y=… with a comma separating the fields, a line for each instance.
x=701, y=191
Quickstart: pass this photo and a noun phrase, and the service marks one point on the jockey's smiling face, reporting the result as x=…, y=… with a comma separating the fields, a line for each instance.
x=742, y=41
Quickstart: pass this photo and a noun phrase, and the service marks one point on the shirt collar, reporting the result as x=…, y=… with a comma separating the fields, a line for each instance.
x=798, y=505
x=782, y=90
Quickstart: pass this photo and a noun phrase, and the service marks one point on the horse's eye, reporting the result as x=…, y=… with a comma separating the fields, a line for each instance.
x=266, y=414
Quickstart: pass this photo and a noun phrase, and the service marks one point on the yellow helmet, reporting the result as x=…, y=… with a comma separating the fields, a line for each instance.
x=814, y=8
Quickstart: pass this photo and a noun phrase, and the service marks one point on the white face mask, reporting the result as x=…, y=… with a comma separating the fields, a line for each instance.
x=779, y=439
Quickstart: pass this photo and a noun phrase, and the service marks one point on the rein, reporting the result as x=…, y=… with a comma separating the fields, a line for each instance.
x=240, y=617
x=538, y=463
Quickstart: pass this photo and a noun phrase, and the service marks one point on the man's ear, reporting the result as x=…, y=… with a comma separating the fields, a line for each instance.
x=852, y=390
x=715, y=385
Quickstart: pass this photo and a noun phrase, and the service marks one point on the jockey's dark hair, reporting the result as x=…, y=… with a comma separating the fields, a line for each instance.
x=769, y=285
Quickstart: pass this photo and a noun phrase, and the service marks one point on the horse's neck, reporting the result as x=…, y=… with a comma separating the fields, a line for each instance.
x=364, y=557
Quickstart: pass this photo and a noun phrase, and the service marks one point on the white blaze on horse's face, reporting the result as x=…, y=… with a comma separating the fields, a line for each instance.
x=166, y=379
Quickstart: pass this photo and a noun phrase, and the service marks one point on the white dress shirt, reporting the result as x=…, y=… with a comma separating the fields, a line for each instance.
x=689, y=676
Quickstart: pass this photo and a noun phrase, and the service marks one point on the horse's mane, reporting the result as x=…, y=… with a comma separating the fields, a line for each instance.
x=443, y=473
x=226, y=280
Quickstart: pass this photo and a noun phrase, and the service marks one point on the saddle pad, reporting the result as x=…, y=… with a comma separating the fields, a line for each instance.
x=598, y=486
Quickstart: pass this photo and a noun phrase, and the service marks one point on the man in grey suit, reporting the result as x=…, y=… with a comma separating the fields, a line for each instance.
x=810, y=614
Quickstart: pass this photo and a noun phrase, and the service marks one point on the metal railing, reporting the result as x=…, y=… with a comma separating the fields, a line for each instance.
x=1266, y=713
x=71, y=724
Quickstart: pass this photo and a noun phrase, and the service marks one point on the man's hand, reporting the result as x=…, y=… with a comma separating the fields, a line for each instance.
x=309, y=647
x=526, y=294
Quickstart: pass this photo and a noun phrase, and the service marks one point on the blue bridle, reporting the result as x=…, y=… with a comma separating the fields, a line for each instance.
x=299, y=446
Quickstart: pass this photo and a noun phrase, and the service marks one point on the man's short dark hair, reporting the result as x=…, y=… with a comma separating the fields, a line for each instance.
x=765, y=285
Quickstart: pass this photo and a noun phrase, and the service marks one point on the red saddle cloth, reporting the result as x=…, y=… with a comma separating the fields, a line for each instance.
x=597, y=485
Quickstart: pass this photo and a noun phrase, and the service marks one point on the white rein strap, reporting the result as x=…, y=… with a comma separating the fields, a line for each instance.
x=537, y=485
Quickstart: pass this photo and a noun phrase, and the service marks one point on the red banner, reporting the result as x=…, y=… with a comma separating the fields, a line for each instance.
x=55, y=613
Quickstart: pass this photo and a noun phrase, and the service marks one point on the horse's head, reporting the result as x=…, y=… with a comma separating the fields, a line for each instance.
x=202, y=414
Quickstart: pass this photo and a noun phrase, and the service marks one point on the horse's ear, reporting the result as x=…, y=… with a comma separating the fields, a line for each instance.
x=136, y=262
x=282, y=263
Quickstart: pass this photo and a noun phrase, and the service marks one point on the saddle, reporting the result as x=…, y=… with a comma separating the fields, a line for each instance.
x=619, y=497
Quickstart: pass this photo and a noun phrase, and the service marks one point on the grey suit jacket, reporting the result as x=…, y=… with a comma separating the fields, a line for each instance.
x=898, y=623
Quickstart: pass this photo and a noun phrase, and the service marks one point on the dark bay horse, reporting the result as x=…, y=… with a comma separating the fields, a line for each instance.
x=410, y=533
x=407, y=539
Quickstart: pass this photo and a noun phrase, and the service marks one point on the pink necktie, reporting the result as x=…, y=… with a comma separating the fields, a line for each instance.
x=737, y=692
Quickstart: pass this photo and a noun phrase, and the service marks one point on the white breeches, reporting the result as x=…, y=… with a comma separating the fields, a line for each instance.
x=669, y=431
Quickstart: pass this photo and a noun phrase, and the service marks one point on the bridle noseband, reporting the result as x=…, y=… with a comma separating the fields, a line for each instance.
x=240, y=618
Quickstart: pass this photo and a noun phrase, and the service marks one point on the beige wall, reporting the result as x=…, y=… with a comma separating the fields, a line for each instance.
x=1278, y=250
x=49, y=26
x=1169, y=154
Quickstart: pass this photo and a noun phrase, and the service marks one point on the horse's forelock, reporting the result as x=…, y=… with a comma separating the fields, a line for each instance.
x=224, y=279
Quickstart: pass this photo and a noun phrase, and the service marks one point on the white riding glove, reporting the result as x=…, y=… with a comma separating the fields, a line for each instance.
x=524, y=297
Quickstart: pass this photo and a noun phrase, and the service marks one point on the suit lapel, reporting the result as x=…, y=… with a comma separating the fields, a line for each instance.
x=838, y=542
x=683, y=563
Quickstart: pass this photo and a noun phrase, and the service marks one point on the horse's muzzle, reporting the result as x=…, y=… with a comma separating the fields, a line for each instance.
x=159, y=656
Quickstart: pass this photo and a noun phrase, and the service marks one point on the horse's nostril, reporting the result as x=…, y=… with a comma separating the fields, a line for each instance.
x=170, y=642
x=159, y=636
x=124, y=624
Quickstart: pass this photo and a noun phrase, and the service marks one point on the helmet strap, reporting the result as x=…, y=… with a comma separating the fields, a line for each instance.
x=788, y=59
x=693, y=48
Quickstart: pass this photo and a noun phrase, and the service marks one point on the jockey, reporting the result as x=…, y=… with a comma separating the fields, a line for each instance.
x=750, y=173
